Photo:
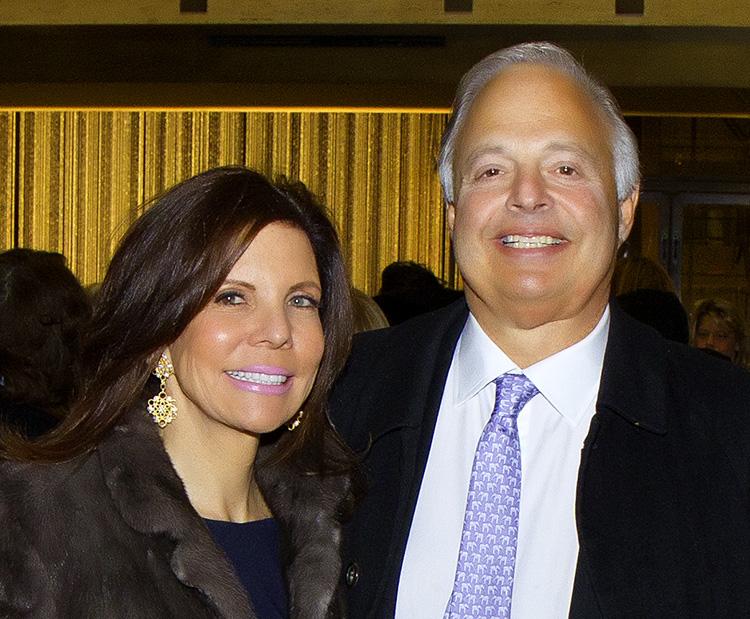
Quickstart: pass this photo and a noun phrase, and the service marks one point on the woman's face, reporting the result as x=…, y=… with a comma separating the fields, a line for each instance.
x=714, y=333
x=248, y=360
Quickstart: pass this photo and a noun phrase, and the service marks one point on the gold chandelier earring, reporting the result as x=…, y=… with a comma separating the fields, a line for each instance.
x=294, y=424
x=162, y=407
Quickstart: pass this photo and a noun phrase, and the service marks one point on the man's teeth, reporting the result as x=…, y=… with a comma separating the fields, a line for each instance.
x=530, y=242
x=258, y=377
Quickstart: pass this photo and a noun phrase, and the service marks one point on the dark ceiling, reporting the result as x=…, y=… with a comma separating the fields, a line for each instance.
x=653, y=70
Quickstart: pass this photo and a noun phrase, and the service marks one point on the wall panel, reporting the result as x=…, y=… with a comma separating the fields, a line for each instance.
x=76, y=179
x=79, y=177
x=7, y=178
x=178, y=145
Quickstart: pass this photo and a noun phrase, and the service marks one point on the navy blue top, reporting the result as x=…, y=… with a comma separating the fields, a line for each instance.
x=253, y=550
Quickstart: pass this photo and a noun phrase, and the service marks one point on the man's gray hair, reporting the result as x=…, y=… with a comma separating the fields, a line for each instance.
x=622, y=141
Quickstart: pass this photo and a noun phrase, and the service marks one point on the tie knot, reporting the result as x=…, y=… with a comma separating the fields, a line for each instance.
x=513, y=392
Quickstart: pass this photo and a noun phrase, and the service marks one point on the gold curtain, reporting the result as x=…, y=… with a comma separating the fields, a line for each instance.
x=74, y=180
x=7, y=179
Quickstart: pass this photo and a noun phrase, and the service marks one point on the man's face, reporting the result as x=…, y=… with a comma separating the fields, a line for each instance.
x=536, y=224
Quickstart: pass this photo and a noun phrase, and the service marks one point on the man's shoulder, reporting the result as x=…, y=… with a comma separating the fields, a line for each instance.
x=413, y=334
x=648, y=371
x=396, y=365
x=654, y=353
x=717, y=382
x=376, y=355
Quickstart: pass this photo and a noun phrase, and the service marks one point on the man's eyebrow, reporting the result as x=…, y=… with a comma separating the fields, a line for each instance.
x=556, y=146
x=570, y=147
x=485, y=150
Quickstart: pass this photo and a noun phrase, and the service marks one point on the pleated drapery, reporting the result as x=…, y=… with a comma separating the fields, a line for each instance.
x=72, y=181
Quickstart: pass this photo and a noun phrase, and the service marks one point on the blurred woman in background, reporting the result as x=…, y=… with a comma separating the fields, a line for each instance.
x=367, y=315
x=643, y=288
x=718, y=326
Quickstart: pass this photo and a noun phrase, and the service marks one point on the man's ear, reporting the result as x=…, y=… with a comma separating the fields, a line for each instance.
x=626, y=215
x=450, y=211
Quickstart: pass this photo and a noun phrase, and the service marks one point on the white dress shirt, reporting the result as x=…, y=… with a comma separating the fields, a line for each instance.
x=551, y=428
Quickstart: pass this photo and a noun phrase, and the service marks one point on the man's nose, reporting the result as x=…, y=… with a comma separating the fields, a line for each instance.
x=529, y=191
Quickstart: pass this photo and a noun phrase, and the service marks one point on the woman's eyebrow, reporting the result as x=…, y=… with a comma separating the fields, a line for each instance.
x=237, y=282
x=306, y=284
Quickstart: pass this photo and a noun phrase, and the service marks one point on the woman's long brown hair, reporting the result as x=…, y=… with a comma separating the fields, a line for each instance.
x=166, y=269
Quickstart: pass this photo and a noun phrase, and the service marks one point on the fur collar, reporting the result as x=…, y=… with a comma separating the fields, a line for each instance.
x=151, y=498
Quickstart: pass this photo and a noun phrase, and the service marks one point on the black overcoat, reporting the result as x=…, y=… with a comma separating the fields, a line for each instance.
x=112, y=534
x=662, y=506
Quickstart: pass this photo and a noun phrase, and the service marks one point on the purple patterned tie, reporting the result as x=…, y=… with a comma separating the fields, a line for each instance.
x=487, y=557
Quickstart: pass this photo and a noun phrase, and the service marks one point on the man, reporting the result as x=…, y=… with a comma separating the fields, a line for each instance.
x=633, y=450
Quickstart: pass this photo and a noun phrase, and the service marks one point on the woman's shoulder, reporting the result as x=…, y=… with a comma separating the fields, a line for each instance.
x=29, y=490
x=40, y=516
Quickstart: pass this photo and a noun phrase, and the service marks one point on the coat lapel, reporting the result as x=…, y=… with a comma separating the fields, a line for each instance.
x=622, y=482
x=415, y=363
x=634, y=380
x=309, y=515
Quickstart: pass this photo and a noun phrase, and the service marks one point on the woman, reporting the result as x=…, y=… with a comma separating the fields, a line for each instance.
x=225, y=478
x=43, y=309
x=367, y=314
x=643, y=288
x=718, y=327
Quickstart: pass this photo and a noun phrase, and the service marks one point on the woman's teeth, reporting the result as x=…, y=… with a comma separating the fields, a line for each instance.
x=258, y=377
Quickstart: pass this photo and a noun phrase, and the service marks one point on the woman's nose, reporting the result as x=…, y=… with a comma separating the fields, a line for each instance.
x=273, y=328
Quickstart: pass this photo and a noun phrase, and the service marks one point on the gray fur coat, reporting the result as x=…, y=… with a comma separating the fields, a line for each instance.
x=112, y=534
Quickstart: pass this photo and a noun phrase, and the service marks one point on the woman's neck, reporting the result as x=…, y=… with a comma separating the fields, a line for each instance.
x=216, y=465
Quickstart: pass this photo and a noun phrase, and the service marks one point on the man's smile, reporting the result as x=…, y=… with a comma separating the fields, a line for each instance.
x=518, y=241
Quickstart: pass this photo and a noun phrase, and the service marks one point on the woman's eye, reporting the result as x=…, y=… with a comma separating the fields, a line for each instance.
x=304, y=301
x=230, y=297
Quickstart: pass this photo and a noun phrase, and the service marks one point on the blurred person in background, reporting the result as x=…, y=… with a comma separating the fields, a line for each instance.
x=367, y=313
x=43, y=310
x=410, y=289
x=643, y=288
x=718, y=326
x=637, y=273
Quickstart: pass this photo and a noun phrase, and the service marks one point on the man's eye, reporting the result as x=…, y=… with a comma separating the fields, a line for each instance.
x=489, y=172
x=566, y=170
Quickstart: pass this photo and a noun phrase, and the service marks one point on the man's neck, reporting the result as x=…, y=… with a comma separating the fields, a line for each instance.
x=528, y=338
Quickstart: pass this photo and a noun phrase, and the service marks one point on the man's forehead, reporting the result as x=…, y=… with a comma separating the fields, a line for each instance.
x=529, y=100
x=531, y=82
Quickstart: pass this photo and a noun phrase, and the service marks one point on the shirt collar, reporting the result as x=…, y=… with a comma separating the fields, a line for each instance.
x=568, y=380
